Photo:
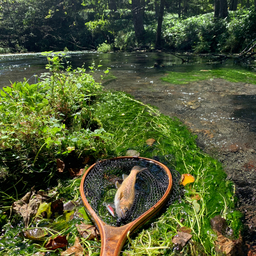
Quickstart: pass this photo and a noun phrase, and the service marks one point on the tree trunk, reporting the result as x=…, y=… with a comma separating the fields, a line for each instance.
x=159, y=25
x=137, y=11
x=223, y=9
x=233, y=5
x=216, y=8
x=220, y=8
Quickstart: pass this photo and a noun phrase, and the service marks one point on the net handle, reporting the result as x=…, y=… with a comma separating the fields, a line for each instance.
x=113, y=238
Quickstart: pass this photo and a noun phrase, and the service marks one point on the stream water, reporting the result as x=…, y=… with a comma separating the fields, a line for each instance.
x=221, y=113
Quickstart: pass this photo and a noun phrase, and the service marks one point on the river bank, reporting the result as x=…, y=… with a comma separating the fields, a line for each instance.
x=222, y=115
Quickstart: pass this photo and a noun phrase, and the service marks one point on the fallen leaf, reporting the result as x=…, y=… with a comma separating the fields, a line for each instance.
x=86, y=160
x=44, y=210
x=87, y=231
x=150, y=141
x=75, y=172
x=218, y=224
x=69, y=206
x=181, y=238
x=57, y=242
x=228, y=247
x=185, y=229
x=28, y=205
x=60, y=165
x=132, y=152
x=186, y=179
x=35, y=234
x=196, y=197
x=196, y=206
x=76, y=249
x=57, y=207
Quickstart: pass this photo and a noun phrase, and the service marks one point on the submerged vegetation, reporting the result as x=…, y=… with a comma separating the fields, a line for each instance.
x=53, y=130
x=232, y=75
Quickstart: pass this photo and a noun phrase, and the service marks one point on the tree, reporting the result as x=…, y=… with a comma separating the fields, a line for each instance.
x=137, y=12
x=220, y=8
x=159, y=25
x=233, y=5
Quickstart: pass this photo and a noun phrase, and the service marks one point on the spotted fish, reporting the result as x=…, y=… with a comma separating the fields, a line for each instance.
x=125, y=194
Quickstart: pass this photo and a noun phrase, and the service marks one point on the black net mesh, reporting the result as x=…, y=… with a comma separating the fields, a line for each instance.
x=151, y=184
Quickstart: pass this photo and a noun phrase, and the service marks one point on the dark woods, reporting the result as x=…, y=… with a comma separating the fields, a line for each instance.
x=34, y=26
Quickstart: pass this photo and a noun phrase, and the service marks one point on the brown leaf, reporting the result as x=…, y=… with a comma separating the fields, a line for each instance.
x=57, y=242
x=185, y=229
x=150, y=141
x=228, y=247
x=88, y=232
x=57, y=207
x=218, y=224
x=196, y=197
x=75, y=172
x=181, y=238
x=60, y=165
x=76, y=249
x=28, y=205
x=86, y=160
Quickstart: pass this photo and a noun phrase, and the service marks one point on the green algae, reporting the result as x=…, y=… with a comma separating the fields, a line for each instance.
x=229, y=74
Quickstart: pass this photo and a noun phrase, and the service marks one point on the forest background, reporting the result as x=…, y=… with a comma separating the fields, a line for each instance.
x=201, y=26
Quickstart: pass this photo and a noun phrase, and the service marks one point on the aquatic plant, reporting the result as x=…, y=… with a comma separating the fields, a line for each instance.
x=230, y=74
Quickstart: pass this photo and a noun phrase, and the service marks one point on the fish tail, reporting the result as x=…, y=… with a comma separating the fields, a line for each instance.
x=138, y=169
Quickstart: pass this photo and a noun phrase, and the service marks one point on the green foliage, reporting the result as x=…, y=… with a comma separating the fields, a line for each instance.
x=104, y=47
x=204, y=34
x=40, y=121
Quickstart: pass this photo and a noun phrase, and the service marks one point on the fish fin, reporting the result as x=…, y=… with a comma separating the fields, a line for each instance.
x=138, y=169
x=117, y=184
x=121, y=196
x=124, y=176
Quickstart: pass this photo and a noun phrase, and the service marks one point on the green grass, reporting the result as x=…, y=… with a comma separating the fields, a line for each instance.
x=232, y=75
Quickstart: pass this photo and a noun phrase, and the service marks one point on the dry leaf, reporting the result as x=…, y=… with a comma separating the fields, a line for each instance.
x=196, y=197
x=76, y=249
x=88, y=232
x=185, y=229
x=218, y=224
x=132, y=152
x=75, y=172
x=224, y=245
x=28, y=205
x=57, y=207
x=86, y=160
x=69, y=206
x=181, y=238
x=57, y=242
x=150, y=141
x=186, y=179
x=60, y=165
x=35, y=234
